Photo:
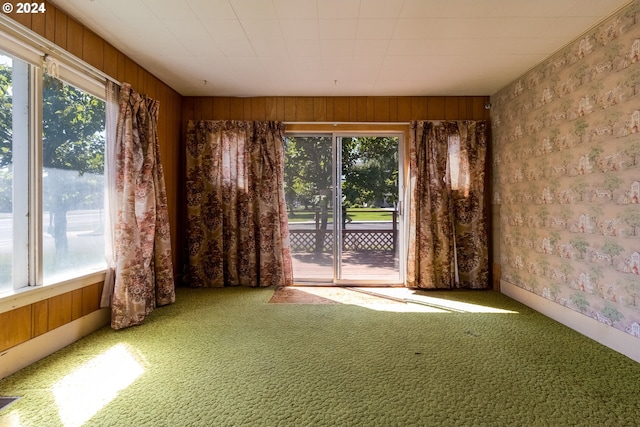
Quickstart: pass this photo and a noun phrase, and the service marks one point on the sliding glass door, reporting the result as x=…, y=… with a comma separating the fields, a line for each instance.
x=344, y=203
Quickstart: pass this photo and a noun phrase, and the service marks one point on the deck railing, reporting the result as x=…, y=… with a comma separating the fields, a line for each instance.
x=362, y=239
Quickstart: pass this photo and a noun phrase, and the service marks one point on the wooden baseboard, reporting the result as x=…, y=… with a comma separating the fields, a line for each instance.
x=23, y=355
x=611, y=337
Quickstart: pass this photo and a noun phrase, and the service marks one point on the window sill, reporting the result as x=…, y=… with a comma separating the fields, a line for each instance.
x=31, y=294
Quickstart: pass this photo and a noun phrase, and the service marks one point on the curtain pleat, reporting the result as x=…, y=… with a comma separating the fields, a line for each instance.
x=430, y=256
x=143, y=266
x=237, y=227
x=444, y=221
x=470, y=216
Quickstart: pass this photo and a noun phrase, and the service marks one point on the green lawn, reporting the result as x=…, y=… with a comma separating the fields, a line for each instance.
x=356, y=214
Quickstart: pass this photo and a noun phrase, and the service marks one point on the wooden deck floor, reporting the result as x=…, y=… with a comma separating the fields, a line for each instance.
x=359, y=266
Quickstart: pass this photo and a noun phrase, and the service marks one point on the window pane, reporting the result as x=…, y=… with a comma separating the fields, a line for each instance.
x=72, y=181
x=14, y=126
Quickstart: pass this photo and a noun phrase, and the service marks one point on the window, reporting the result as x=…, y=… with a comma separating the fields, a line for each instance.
x=73, y=137
x=52, y=139
x=14, y=126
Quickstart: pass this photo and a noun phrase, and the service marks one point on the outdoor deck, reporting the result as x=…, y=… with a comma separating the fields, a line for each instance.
x=369, y=250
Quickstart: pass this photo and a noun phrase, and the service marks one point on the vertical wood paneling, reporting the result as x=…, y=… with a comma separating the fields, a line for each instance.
x=280, y=108
x=189, y=114
x=341, y=109
x=290, y=109
x=121, y=67
x=61, y=29
x=258, y=108
x=207, y=108
x=451, y=105
x=110, y=60
x=319, y=109
x=393, y=109
x=361, y=109
x=40, y=318
x=91, y=298
x=22, y=18
x=38, y=23
x=246, y=109
x=462, y=108
x=197, y=109
x=435, y=107
x=478, y=106
x=19, y=331
x=329, y=103
x=75, y=37
x=404, y=109
x=50, y=23
x=271, y=108
x=304, y=109
x=221, y=108
x=93, y=50
x=236, y=108
x=76, y=304
x=60, y=310
x=381, y=109
x=130, y=73
x=420, y=107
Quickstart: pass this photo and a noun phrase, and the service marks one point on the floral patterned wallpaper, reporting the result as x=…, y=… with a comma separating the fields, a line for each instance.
x=566, y=163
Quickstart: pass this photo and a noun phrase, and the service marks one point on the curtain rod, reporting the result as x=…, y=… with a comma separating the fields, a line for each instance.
x=348, y=123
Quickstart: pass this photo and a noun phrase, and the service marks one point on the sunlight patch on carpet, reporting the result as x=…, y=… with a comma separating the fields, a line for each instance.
x=84, y=392
x=338, y=295
x=447, y=305
x=401, y=300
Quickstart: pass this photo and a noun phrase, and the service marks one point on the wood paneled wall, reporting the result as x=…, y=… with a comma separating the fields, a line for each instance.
x=35, y=319
x=55, y=25
x=336, y=109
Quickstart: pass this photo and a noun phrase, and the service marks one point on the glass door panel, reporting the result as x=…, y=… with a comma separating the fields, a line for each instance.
x=309, y=174
x=342, y=195
x=368, y=247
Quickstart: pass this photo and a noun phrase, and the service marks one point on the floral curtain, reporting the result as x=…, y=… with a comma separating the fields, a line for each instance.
x=447, y=223
x=237, y=227
x=430, y=256
x=470, y=215
x=143, y=266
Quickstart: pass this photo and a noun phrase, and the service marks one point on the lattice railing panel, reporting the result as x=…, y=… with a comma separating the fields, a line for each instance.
x=352, y=240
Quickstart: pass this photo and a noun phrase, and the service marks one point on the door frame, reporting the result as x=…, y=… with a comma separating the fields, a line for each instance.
x=403, y=198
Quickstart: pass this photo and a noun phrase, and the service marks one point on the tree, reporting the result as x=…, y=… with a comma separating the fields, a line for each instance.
x=611, y=313
x=580, y=301
x=631, y=216
x=566, y=268
x=307, y=172
x=72, y=146
x=612, y=249
x=579, y=128
x=581, y=245
x=632, y=150
x=308, y=178
x=633, y=289
x=612, y=183
x=580, y=187
x=370, y=170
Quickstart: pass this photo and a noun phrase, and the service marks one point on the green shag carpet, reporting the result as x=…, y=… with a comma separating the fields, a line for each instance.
x=226, y=357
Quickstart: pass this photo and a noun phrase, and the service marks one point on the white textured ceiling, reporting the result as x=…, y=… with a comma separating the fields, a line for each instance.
x=338, y=47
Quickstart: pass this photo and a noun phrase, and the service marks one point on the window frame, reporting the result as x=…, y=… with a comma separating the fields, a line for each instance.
x=40, y=54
